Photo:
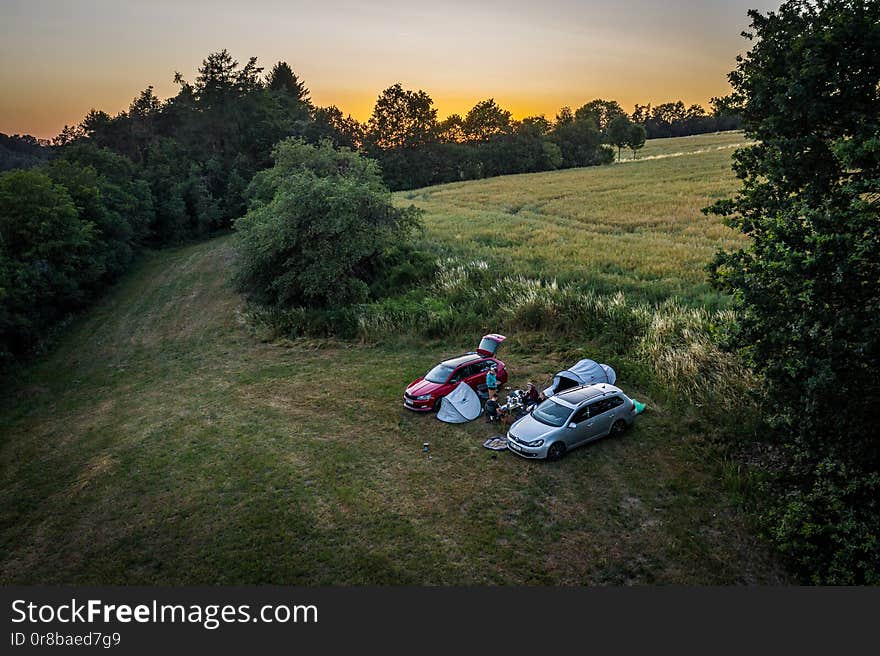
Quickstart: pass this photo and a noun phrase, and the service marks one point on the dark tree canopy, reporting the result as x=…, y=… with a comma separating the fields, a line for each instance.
x=601, y=112
x=809, y=93
x=486, y=120
x=402, y=119
x=282, y=78
x=619, y=132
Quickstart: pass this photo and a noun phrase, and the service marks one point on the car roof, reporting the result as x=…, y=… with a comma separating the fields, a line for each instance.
x=577, y=395
x=462, y=359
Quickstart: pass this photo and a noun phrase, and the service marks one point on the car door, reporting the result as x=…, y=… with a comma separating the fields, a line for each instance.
x=472, y=375
x=579, y=428
x=479, y=376
x=603, y=415
x=458, y=375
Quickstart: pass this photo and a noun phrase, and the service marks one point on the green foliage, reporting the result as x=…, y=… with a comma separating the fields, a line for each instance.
x=319, y=225
x=46, y=263
x=636, y=139
x=580, y=142
x=674, y=119
x=486, y=120
x=402, y=119
x=601, y=112
x=21, y=152
x=107, y=195
x=808, y=91
x=619, y=132
x=415, y=150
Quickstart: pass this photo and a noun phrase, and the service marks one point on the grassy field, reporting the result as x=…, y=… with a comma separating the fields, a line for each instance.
x=161, y=442
x=635, y=227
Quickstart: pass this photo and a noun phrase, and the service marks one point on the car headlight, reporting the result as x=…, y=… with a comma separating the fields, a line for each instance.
x=535, y=443
x=423, y=397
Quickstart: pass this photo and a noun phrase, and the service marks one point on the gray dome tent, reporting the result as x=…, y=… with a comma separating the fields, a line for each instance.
x=460, y=405
x=585, y=372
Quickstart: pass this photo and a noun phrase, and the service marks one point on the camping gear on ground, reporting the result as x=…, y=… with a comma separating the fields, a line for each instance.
x=460, y=405
x=515, y=406
x=640, y=407
x=496, y=443
x=585, y=372
x=426, y=447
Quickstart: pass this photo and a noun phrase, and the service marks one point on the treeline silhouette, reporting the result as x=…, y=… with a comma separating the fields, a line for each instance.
x=22, y=151
x=163, y=172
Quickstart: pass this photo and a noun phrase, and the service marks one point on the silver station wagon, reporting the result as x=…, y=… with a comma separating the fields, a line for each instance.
x=569, y=419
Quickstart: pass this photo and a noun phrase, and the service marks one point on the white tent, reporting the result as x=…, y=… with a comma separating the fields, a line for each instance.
x=460, y=405
x=585, y=372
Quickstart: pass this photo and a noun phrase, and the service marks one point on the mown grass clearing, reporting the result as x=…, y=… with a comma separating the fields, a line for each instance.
x=160, y=442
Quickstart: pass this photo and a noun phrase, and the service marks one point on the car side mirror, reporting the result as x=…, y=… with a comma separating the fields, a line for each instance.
x=572, y=425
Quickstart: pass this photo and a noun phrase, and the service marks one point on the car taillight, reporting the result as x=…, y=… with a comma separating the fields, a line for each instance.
x=633, y=408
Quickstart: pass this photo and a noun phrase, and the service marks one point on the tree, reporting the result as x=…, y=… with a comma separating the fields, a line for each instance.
x=726, y=113
x=619, y=132
x=319, y=224
x=330, y=123
x=290, y=91
x=45, y=264
x=636, y=139
x=402, y=119
x=564, y=117
x=581, y=143
x=807, y=287
x=282, y=78
x=451, y=130
x=486, y=120
x=602, y=113
x=535, y=124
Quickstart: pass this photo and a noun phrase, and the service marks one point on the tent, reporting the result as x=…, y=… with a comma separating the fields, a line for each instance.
x=585, y=372
x=460, y=405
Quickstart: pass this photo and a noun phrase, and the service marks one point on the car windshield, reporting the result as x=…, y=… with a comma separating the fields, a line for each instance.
x=552, y=413
x=439, y=374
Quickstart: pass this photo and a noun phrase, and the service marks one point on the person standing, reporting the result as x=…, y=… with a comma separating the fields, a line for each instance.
x=492, y=380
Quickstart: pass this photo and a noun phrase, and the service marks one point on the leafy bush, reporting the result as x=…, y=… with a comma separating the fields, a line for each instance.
x=319, y=230
x=46, y=263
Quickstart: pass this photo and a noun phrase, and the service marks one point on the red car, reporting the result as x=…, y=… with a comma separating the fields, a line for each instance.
x=424, y=394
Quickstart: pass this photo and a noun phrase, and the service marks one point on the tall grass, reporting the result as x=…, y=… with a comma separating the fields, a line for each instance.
x=677, y=345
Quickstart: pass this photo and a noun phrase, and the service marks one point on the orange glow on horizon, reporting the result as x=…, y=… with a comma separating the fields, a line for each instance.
x=63, y=59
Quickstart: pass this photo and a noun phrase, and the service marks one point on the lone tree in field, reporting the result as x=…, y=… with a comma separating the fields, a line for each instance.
x=619, y=132
x=636, y=139
x=319, y=224
x=809, y=285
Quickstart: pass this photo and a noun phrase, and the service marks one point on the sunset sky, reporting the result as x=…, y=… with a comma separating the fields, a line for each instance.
x=61, y=58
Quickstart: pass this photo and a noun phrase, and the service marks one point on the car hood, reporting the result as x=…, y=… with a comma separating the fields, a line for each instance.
x=529, y=429
x=422, y=386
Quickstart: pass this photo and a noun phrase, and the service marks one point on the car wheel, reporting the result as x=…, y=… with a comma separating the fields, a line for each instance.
x=556, y=451
x=437, y=404
x=618, y=428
